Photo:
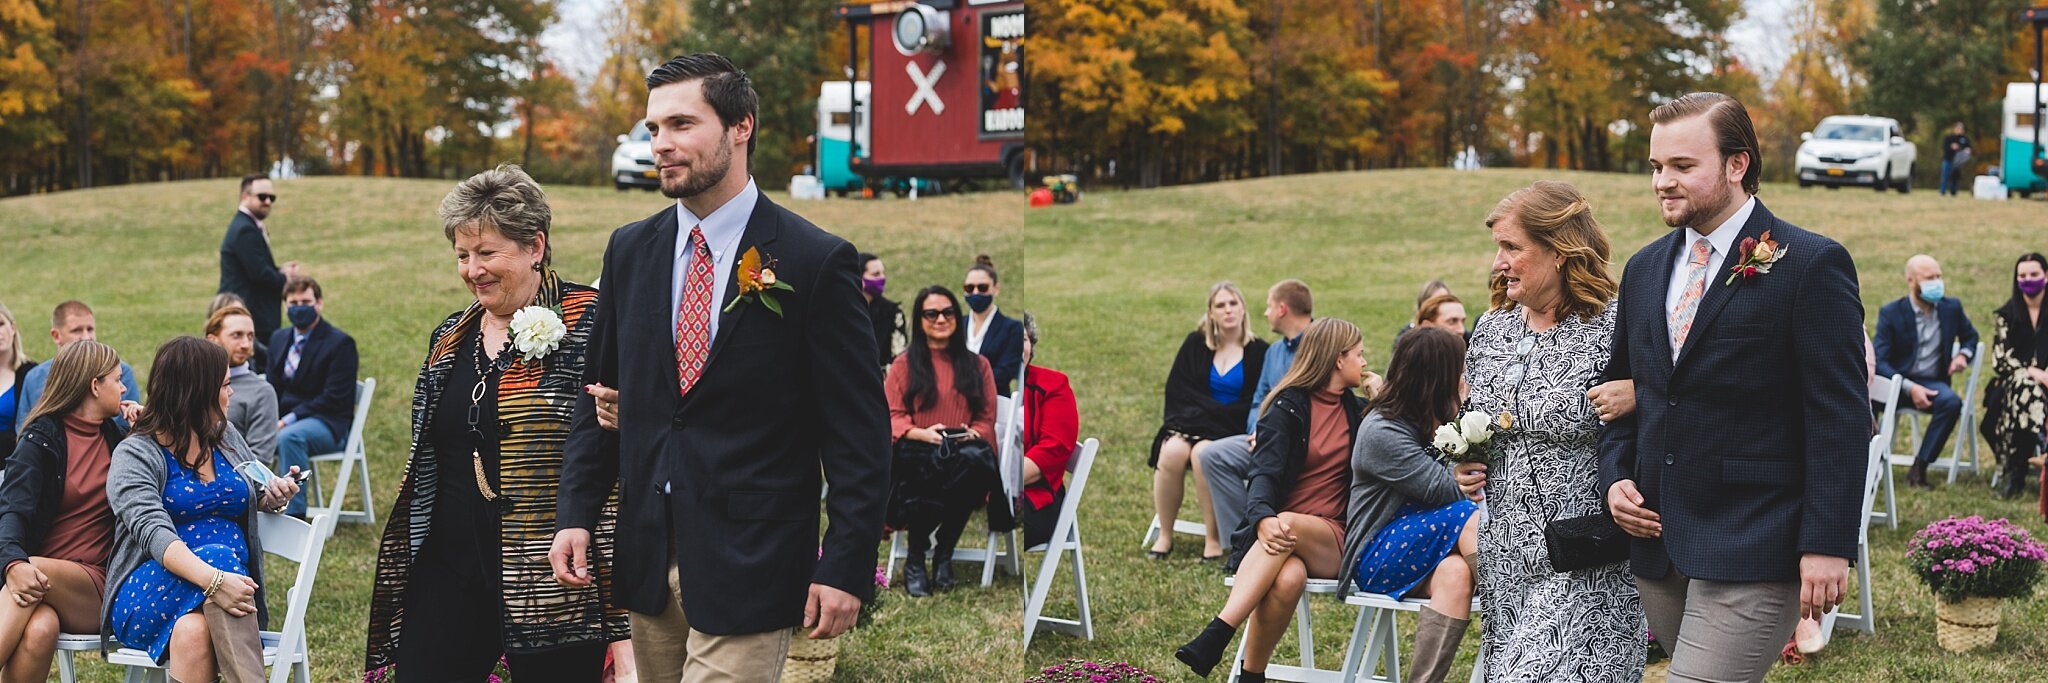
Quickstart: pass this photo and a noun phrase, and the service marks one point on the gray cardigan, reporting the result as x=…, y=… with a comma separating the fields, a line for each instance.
x=143, y=529
x=254, y=410
x=1391, y=466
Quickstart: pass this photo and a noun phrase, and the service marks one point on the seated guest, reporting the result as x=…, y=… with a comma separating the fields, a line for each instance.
x=995, y=336
x=14, y=368
x=1296, y=513
x=1430, y=290
x=56, y=528
x=313, y=370
x=2016, y=399
x=1051, y=429
x=1914, y=336
x=254, y=407
x=188, y=563
x=942, y=400
x=72, y=321
x=891, y=336
x=1443, y=311
x=1227, y=462
x=1208, y=396
x=1411, y=528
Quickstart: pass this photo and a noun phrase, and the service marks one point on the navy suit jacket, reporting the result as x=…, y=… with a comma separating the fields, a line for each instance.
x=1752, y=446
x=248, y=271
x=324, y=388
x=1898, y=337
x=1003, y=346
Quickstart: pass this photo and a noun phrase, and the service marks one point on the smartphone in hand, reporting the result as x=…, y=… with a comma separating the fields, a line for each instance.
x=954, y=433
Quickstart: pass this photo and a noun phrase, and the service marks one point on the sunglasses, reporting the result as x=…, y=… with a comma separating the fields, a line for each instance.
x=266, y=198
x=977, y=289
x=937, y=313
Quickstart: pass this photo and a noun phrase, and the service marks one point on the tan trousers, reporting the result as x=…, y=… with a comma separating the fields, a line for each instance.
x=1718, y=631
x=667, y=650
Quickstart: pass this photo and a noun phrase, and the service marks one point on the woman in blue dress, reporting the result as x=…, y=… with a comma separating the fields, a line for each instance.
x=187, y=559
x=1411, y=531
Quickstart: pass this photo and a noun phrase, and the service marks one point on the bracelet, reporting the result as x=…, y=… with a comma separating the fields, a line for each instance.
x=218, y=576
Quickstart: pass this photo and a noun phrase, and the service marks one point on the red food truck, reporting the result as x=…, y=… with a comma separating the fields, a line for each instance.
x=946, y=95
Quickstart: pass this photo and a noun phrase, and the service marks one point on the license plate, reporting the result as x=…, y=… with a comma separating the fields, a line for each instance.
x=651, y=174
x=1834, y=171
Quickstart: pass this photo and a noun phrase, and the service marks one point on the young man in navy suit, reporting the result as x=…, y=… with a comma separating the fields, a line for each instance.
x=313, y=368
x=1740, y=473
x=1914, y=336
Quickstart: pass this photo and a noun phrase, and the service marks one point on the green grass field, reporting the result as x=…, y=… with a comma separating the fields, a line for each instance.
x=146, y=258
x=1120, y=279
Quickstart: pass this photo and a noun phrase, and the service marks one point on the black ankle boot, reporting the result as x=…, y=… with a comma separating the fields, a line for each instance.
x=942, y=569
x=1206, y=650
x=1251, y=677
x=913, y=577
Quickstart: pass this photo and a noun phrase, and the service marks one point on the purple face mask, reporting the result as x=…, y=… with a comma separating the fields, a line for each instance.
x=2031, y=287
x=873, y=285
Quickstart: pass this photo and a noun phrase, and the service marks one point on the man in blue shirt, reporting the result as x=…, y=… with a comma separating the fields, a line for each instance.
x=1924, y=338
x=1226, y=462
x=72, y=321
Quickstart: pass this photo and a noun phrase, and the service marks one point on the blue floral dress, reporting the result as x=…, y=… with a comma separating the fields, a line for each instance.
x=207, y=515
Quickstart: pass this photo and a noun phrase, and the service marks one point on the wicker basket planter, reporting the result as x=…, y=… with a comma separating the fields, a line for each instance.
x=1966, y=625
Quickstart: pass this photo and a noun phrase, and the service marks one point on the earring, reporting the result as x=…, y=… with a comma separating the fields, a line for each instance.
x=536, y=266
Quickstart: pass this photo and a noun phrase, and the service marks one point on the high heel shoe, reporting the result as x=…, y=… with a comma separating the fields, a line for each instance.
x=1204, y=652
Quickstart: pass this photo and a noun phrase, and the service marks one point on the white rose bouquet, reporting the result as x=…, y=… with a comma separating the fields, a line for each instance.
x=537, y=331
x=1467, y=439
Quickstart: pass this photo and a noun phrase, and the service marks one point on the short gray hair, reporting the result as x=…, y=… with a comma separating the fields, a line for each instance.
x=504, y=199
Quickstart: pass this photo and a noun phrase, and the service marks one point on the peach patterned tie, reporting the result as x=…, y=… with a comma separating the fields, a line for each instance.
x=1689, y=300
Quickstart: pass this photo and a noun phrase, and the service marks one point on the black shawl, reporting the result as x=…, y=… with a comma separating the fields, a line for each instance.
x=1189, y=407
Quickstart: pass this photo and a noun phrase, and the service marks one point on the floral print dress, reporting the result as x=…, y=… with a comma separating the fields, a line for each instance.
x=206, y=514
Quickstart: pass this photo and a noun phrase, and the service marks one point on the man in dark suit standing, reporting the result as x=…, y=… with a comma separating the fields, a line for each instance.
x=246, y=267
x=1914, y=338
x=734, y=355
x=314, y=373
x=1741, y=471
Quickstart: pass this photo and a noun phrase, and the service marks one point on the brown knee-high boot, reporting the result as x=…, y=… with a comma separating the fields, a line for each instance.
x=237, y=645
x=1436, y=644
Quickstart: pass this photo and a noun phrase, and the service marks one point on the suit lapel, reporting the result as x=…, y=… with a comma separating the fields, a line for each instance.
x=1719, y=290
x=658, y=246
x=1656, y=287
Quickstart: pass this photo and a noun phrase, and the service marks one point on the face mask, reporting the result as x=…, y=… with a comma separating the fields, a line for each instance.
x=873, y=285
x=2032, y=287
x=1930, y=291
x=980, y=302
x=301, y=316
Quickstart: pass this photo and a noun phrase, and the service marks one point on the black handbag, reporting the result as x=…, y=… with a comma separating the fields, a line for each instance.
x=1584, y=542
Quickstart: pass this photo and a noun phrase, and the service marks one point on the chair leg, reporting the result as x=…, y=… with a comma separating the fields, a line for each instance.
x=1305, y=631
x=363, y=478
x=1081, y=587
x=65, y=671
x=1151, y=534
x=988, y=561
x=1891, y=501
x=895, y=552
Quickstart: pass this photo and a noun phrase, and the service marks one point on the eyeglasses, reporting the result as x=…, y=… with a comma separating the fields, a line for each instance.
x=977, y=289
x=933, y=314
x=266, y=198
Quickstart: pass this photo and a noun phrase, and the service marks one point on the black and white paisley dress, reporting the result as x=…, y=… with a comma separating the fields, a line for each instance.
x=1540, y=625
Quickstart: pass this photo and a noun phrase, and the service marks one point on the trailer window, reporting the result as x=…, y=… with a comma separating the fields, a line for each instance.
x=842, y=118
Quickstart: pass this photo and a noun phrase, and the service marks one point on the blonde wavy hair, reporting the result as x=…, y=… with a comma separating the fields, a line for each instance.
x=1212, y=334
x=17, y=356
x=1560, y=219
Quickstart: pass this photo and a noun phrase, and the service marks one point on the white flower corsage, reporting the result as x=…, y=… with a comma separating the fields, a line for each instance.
x=537, y=331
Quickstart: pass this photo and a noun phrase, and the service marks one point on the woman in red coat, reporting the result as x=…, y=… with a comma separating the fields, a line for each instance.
x=1052, y=425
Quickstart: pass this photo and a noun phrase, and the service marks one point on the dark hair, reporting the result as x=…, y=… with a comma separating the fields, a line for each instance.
x=251, y=179
x=922, y=391
x=184, y=398
x=1422, y=378
x=300, y=283
x=1733, y=132
x=987, y=265
x=726, y=87
x=2018, y=302
x=866, y=258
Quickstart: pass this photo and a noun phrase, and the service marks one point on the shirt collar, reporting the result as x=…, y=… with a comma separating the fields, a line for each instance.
x=1291, y=342
x=725, y=224
x=1723, y=238
x=241, y=370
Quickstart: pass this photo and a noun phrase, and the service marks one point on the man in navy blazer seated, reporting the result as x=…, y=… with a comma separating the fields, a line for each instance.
x=1914, y=336
x=313, y=369
x=1740, y=475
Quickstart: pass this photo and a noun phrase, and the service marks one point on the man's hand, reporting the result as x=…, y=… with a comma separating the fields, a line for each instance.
x=830, y=610
x=1613, y=400
x=569, y=557
x=1823, y=580
x=1626, y=504
x=1471, y=478
x=1923, y=397
x=607, y=400
x=1958, y=364
x=291, y=269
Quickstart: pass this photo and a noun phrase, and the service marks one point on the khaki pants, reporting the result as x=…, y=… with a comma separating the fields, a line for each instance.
x=1719, y=631
x=667, y=650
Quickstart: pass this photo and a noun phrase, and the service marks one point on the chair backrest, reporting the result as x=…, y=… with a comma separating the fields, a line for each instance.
x=1077, y=482
x=1873, y=475
x=1009, y=449
x=364, y=388
x=1969, y=393
x=1885, y=391
x=301, y=542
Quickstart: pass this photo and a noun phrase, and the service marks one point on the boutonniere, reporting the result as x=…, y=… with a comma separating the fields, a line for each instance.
x=537, y=331
x=758, y=283
x=1757, y=257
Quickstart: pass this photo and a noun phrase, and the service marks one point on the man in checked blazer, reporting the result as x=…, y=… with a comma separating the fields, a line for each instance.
x=1740, y=472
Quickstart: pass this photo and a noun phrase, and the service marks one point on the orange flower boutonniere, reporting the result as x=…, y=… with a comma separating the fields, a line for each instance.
x=757, y=282
x=1757, y=257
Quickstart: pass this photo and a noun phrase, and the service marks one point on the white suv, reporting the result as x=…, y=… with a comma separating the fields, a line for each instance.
x=633, y=160
x=1856, y=150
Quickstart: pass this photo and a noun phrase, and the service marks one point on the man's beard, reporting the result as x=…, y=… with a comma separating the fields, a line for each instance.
x=702, y=179
x=1700, y=208
x=260, y=212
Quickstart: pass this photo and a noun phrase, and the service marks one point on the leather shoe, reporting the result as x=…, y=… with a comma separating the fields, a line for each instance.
x=1916, y=477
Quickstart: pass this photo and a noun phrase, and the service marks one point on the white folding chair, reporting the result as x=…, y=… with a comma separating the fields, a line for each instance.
x=1886, y=391
x=352, y=460
x=1180, y=526
x=285, y=651
x=68, y=643
x=1305, y=632
x=1865, y=619
x=1009, y=457
x=1965, y=432
x=1374, y=636
x=1066, y=539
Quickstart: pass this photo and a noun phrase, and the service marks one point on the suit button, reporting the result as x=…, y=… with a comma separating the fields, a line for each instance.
x=1670, y=459
x=677, y=421
x=1674, y=402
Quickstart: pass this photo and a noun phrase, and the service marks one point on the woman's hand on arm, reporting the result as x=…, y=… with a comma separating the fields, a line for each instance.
x=234, y=594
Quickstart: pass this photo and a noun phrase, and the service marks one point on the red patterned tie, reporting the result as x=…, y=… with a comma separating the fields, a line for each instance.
x=693, y=316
